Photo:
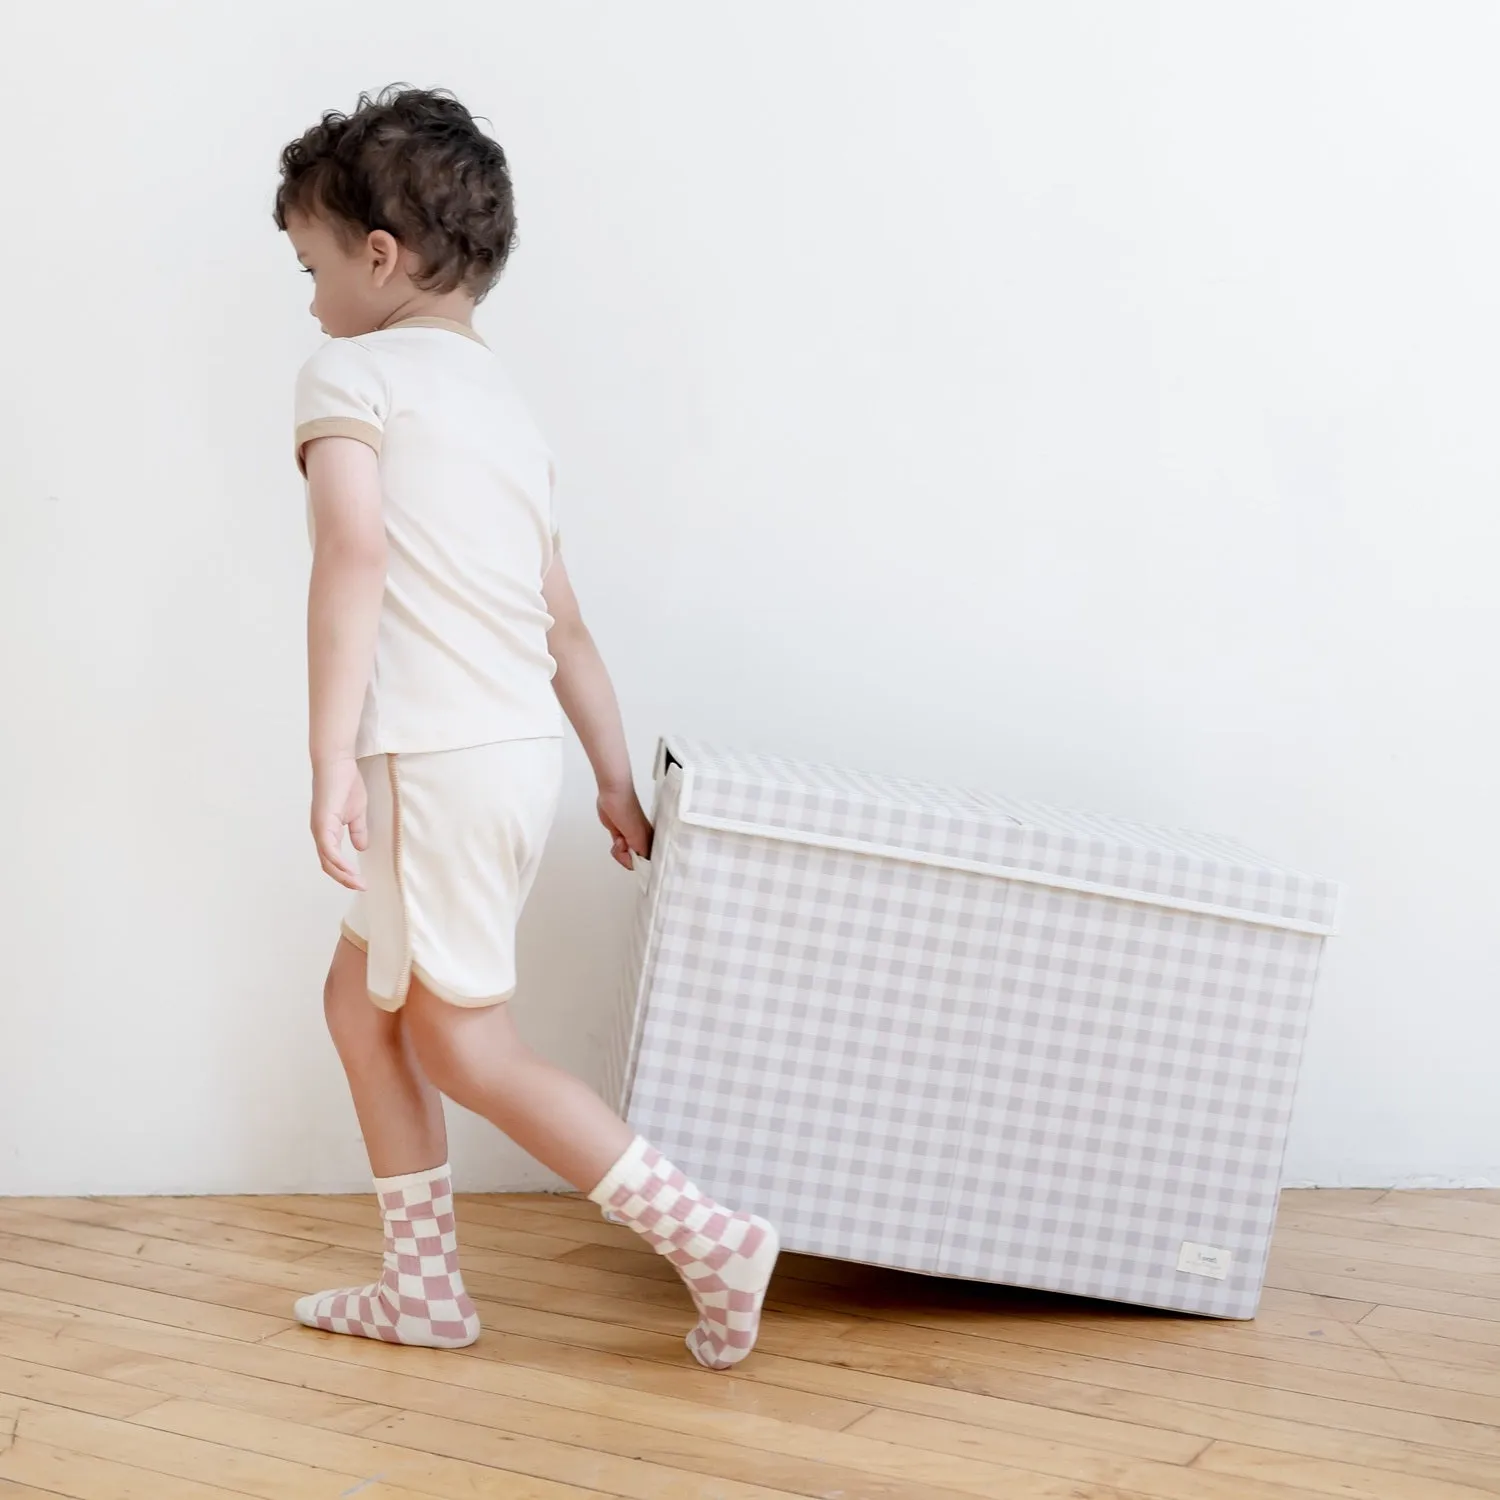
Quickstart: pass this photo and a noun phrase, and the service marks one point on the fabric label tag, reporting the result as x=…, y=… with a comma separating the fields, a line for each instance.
x=1204, y=1260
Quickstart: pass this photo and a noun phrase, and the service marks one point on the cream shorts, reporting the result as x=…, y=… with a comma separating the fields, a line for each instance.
x=455, y=841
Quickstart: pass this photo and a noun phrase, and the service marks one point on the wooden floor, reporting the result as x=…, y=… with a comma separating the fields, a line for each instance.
x=146, y=1354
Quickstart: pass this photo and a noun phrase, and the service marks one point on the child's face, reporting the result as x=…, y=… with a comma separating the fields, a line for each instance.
x=356, y=282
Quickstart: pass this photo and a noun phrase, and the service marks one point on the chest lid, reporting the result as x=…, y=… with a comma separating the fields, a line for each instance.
x=767, y=796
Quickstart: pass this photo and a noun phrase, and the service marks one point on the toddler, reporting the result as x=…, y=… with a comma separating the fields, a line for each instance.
x=444, y=646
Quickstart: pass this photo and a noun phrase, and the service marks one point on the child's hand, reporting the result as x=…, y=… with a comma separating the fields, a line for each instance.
x=338, y=802
x=621, y=812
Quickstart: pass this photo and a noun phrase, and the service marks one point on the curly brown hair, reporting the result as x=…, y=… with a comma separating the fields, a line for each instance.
x=414, y=163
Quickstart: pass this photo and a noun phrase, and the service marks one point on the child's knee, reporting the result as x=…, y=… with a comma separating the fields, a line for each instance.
x=352, y=1018
x=449, y=1040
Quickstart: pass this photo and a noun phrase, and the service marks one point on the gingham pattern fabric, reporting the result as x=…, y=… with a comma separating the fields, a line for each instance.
x=1131, y=1094
x=803, y=1014
x=774, y=795
x=724, y=1258
x=921, y=1067
x=621, y=1049
x=420, y=1297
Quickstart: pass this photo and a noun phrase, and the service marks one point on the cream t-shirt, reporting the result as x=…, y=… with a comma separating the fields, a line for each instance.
x=461, y=657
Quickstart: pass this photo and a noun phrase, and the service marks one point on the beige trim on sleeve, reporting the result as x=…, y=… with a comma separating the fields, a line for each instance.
x=349, y=427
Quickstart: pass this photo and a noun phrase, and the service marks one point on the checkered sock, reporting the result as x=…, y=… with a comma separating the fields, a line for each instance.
x=420, y=1297
x=725, y=1258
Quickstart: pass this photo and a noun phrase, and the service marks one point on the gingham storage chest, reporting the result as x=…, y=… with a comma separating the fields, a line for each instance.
x=967, y=1035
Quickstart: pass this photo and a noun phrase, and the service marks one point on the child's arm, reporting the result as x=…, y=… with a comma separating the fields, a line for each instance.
x=588, y=698
x=343, y=613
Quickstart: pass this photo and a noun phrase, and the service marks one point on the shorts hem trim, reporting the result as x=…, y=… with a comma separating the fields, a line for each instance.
x=451, y=997
x=393, y=1003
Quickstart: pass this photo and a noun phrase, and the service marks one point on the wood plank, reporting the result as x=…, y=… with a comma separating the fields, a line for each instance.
x=57, y=1471
x=927, y=1383
x=627, y=1425
x=1464, y=1423
x=194, y=1231
x=166, y=1377
x=1326, y=1478
x=1380, y=1232
x=1473, y=1195
x=1335, y=1373
x=1139, y=1476
x=821, y=1398
x=1472, y=1281
x=675, y=1314
x=1379, y=1250
x=206, y=1465
x=130, y=1271
x=1011, y=1416
x=904, y=1388
x=1156, y=1340
x=1450, y=1215
x=31, y=1382
x=1428, y=1358
x=173, y=1461
x=775, y=1452
x=1446, y=1377
x=1019, y=1449
x=1455, y=1329
x=42, y=1315
x=210, y=1260
x=1223, y=1377
x=130, y=1301
x=226, y=1214
x=416, y=1473
x=769, y=1451
x=10, y=1490
x=918, y=1476
x=456, y=1450
x=1336, y=1309
x=1382, y=1389
x=1388, y=1294
x=190, y=1368
x=163, y=1448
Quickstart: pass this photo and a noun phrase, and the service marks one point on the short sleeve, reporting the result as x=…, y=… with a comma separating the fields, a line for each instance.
x=340, y=393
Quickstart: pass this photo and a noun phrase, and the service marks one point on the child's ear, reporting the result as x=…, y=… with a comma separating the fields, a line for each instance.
x=385, y=254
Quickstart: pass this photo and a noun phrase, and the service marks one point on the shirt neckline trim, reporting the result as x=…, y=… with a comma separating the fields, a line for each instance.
x=450, y=325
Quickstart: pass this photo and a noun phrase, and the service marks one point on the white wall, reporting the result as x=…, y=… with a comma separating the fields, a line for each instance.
x=1092, y=401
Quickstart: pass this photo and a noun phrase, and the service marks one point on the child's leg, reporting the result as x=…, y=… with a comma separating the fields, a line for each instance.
x=420, y=1297
x=400, y=1112
x=478, y=1059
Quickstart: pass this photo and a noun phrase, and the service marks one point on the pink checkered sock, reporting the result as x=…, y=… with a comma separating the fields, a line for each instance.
x=420, y=1297
x=725, y=1258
